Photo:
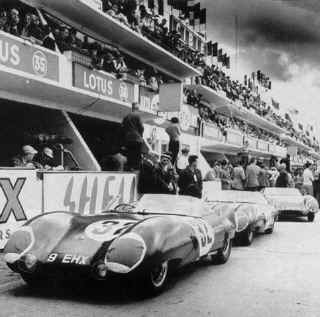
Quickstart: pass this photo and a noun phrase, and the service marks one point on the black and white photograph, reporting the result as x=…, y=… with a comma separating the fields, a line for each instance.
x=159, y=158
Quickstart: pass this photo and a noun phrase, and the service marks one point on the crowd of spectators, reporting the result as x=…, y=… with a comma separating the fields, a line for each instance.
x=146, y=22
x=224, y=122
x=247, y=97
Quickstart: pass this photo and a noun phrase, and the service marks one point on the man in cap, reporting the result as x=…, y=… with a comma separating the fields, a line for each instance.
x=165, y=178
x=190, y=181
x=46, y=158
x=26, y=158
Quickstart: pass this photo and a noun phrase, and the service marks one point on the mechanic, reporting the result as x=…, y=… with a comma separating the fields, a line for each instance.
x=190, y=181
x=26, y=158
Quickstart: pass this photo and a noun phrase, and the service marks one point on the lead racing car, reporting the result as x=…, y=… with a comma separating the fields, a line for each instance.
x=251, y=211
x=291, y=202
x=143, y=242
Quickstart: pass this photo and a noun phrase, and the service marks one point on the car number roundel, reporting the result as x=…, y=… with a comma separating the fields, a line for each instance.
x=107, y=230
x=204, y=234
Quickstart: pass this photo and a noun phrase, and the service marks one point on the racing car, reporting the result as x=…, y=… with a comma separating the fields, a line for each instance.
x=291, y=202
x=141, y=242
x=251, y=210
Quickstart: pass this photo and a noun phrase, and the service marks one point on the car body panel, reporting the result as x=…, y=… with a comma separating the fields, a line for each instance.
x=246, y=208
x=291, y=199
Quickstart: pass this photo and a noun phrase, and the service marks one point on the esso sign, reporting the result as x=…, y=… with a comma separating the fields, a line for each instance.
x=40, y=63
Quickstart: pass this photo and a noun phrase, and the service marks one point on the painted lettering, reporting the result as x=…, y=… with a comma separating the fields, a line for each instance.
x=67, y=258
x=13, y=204
x=9, y=53
x=98, y=84
x=52, y=257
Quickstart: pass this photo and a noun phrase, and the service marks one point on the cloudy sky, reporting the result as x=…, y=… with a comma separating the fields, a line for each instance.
x=280, y=37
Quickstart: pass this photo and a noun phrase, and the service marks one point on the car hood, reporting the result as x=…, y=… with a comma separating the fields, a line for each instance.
x=64, y=233
x=287, y=202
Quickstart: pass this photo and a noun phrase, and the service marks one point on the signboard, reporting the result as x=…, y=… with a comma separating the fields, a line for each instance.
x=20, y=200
x=263, y=146
x=102, y=83
x=188, y=117
x=234, y=138
x=212, y=132
x=23, y=56
x=87, y=193
x=149, y=100
x=171, y=96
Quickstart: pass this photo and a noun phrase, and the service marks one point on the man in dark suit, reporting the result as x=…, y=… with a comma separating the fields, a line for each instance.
x=190, y=181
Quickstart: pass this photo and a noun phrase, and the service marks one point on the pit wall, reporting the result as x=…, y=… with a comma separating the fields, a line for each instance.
x=26, y=193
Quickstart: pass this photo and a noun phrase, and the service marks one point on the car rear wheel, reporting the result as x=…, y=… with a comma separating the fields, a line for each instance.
x=246, y=237
x=270, y=230
x=223, y=254
x=311, y=216
x=157, y=278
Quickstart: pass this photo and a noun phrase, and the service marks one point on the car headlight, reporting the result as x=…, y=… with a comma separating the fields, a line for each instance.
x=19, y=244
x=125, y=253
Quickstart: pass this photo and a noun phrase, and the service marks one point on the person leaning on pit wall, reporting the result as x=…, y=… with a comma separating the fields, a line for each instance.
x=308, y=179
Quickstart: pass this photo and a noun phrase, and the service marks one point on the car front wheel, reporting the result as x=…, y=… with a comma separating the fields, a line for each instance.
x=311, y=216
x=223, y=254
x=246, y=237
x=270, y=230
x=156, y=279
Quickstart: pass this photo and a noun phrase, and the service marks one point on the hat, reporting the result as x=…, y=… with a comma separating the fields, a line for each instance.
x=28, y=149
x=167, y=155
x=47, y=151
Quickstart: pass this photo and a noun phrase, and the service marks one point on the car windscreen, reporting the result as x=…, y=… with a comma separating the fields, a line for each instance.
x=279, y=191
x=170, y=204
x=234, y=196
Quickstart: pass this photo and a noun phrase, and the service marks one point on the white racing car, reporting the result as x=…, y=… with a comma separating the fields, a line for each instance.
x=251, y=211
x=290, y=202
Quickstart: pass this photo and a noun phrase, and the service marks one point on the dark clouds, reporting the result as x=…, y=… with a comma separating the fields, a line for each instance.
x=268, y=28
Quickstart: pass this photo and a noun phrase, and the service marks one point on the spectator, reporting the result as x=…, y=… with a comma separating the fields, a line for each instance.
x=174, y=132
x=4, y=21
x=225, y=176
x=26, y=158
x=49, y=40
x=116, y=14
x=252, y=174
x=182, y=161
x=27, y=25
x=308, y=179
x=132, y=127
x=263, y=177
x=298, y=178
x=273, y=176
x=239, y=177
x=14, y=23
x=73, y=41
x=283, y=178
x=63, y=41
x=35, y=30
x=164, y=176
x=190, y=181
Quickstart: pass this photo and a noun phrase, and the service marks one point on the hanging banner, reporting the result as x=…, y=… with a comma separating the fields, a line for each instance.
x=171, y=97
x=21, y=55
x=87, y=193
x=102, y=83
x=148, y=100
x=20, y=200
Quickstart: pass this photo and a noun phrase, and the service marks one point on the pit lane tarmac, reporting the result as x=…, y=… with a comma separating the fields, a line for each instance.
x=277, y=276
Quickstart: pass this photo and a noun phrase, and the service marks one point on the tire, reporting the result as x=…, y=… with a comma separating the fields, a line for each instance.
x=223, y=254
x=270, y=230
x=311, y=216
x=156, y=279
x=246, y=237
